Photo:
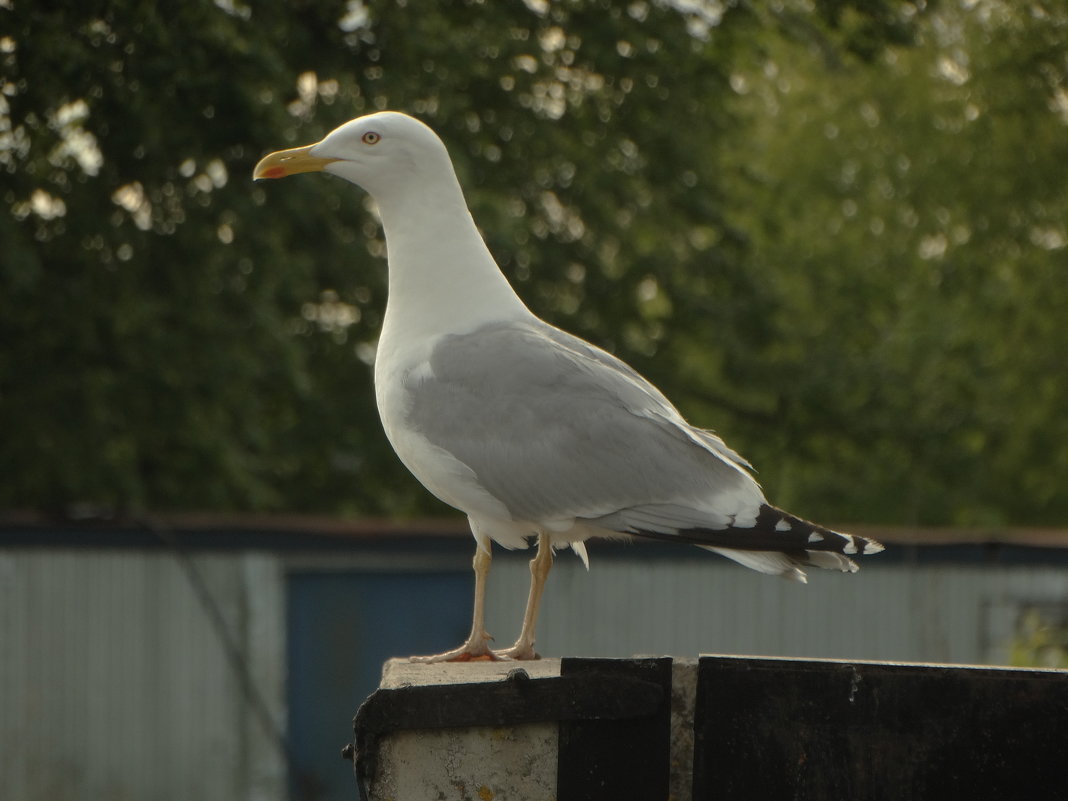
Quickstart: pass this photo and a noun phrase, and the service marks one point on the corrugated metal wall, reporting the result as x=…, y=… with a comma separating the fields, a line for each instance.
x=115, y=684
x=701, y=603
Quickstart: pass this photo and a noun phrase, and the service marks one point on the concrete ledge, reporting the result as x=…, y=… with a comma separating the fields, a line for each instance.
x=539, y=730
x=488, y=764
x=402, y=673
x=721, y=727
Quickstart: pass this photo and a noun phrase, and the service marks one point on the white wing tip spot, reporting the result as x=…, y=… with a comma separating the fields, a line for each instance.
x=815, y=536
x=850, y=547
x=784, y=525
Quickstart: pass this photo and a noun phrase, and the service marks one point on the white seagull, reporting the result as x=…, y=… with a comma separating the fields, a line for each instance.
x=528, y=430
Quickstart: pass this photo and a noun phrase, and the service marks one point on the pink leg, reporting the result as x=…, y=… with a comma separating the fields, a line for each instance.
x=540, y=566
x=477, y=644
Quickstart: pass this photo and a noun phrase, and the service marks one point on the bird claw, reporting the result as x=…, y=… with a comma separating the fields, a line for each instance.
x=517, y=653
x=474, y=650
x=479, y=651
x=455, y=655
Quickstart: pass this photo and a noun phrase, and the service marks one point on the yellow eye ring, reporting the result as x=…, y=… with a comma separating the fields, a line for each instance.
x=371, y=138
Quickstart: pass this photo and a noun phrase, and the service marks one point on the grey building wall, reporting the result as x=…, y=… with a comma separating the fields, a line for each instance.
x=700, y=603
x=117, y=681
x=114, y=684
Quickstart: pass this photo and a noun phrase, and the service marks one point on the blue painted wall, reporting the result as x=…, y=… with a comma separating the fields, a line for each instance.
x=342, y=626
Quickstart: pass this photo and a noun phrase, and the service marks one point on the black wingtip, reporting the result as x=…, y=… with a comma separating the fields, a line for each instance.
x=774, y=530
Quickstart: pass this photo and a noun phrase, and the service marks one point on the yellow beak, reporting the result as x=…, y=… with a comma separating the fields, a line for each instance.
x=289, y=162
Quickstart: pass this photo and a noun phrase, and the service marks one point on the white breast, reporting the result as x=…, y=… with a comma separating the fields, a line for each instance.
x=397, y=375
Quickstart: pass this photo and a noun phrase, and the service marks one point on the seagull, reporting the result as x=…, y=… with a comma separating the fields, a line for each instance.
x=531, y=432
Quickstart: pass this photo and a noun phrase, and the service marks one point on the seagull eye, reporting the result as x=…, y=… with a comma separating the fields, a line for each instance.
x=371, y=138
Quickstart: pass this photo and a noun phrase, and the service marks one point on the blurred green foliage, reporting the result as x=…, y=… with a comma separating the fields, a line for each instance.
x=833, y=231
x=1041, y=639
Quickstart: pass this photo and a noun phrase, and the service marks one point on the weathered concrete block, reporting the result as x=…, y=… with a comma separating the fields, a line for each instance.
x=472, y=764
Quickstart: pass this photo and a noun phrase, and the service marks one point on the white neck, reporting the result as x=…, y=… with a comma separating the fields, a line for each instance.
x=442, y=277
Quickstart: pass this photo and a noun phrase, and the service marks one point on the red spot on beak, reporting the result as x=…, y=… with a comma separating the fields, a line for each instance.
x=274, y=172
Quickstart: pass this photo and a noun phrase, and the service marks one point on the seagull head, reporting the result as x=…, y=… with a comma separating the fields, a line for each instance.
x=377, y=152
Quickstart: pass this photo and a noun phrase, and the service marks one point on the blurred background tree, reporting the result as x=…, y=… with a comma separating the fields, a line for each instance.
x=832, y=231
x=1041, y=638
x=910, y=217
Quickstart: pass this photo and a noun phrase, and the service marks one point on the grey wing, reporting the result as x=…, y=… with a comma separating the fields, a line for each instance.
x=557, y=429
x=654, y=396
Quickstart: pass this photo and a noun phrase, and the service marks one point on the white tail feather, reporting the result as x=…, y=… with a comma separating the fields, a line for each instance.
x=770, y=562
